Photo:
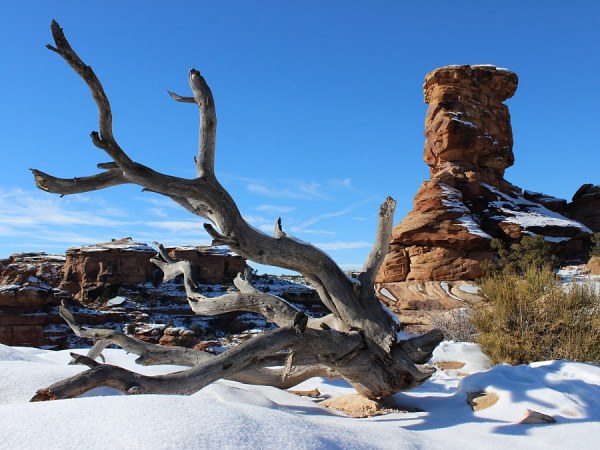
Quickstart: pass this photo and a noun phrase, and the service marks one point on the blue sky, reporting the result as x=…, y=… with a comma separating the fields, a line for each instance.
x=320, y=108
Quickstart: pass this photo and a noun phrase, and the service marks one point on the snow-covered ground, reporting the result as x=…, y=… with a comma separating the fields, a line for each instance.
x=229, y=415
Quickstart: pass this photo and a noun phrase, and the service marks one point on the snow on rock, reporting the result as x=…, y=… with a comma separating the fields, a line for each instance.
x=444, y=285
x=469, y=288
x=116, y=301
x=465, y=352
x=527, y=214
x=472, y=226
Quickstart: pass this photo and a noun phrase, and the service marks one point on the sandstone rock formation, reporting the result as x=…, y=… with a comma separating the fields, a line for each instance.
x=467, y=201
x=28, y=299
x=585, y=206
x=102, y=269
x=110, y=285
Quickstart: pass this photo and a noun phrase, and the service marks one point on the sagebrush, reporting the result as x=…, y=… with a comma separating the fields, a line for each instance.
x=532, y=316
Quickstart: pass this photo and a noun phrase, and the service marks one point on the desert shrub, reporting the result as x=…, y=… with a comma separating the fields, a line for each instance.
x=456, y=324
x=519, y=256
x=531, y=316
x=595, y=247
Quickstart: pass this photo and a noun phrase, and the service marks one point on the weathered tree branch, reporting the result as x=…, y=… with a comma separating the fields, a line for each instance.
x=64, y=186
x=249, y=299
x=192, y=380
x=358, y=340
x=382, y=243
x=260, y=372
x=208, y=124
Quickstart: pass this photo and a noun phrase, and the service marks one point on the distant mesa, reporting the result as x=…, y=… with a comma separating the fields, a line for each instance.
x=467, y=202
x=101, y=269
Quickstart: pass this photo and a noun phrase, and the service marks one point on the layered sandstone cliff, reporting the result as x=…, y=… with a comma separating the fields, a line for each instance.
x=102, y=269
x=32, y=286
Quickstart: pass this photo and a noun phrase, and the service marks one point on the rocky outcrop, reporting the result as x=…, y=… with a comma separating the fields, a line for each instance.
x=28, y=299
x=32, y=286
x=467, y=201
x=112, y=283
x=100, y=270
x=585, y=206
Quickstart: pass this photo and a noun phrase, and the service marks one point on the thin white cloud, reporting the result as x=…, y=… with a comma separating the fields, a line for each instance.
x=345, y=183
x=294, y=189
x=314, y=232
x=176, y=225
x=157, y=212
x=318, y=218
x=159, y=202
x=24, y=208
x=275, y=209
x=342, y=245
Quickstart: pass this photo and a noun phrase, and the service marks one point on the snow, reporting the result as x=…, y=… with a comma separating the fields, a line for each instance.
x=469, y=288
x=119, y=244
x=455, y=116
x=472, y=226
x=9, y=287
x=529, y=214
x=452, y=200
x=116, y=301
x=388, y=294
x=446, y=287
x=231, y=415
x=579, y=275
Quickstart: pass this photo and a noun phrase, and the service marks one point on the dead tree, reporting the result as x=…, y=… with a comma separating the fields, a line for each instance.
x=357, y=340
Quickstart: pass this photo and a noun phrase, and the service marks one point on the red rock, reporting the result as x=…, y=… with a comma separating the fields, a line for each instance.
x=467, y=202
x=101, y=269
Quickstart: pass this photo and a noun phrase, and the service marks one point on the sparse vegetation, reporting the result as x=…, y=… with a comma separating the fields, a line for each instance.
x=531, y=316
x=456, y=324
x=531, y=251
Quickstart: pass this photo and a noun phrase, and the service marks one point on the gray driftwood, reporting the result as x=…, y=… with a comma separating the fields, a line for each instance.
x=357, y=340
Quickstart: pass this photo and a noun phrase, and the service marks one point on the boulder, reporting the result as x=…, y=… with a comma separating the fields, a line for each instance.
x=482, y=400
x=357, y=406
x=535, y=417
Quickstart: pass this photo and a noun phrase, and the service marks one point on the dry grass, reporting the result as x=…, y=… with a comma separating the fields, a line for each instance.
x=456, y=324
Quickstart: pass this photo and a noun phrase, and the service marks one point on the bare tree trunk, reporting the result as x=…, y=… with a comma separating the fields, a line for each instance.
x=357, y=340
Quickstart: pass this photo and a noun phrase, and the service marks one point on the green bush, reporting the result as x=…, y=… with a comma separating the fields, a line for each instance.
x=530, y=316
x=519, y=256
